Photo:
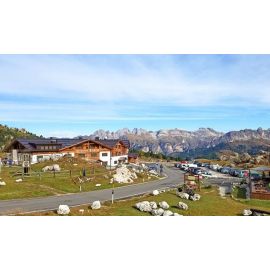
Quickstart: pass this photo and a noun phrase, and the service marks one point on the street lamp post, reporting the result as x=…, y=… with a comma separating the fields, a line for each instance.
x=113, y=177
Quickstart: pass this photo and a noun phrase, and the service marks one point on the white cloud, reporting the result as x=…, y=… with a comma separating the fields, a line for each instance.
x=72, y=88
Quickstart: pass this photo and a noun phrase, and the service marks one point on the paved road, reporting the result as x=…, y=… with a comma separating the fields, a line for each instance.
x=174, y=177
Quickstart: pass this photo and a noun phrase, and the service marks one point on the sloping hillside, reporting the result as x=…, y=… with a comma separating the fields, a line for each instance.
x=7, y=134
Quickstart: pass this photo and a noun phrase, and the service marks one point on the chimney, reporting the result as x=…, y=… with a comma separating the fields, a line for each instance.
x=96, y=138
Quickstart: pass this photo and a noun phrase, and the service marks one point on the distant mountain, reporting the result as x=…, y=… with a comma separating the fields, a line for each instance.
x=7, y=134
x=205, y=142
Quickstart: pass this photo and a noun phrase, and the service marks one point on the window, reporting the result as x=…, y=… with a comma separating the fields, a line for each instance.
x=91, y=146
x=39, y=158
x=94, y=155
x=41, y=147
x=81, y=155
x=104, y=154
x=115, y=162
x=46, y=147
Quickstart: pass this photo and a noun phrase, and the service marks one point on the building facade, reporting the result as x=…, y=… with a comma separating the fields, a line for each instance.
x=109, y=152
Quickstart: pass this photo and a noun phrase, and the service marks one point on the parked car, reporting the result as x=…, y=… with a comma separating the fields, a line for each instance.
x=207, y=173
x=219, y=169
x=183, y=166
x=214, y=167
x=195, y=171
x=234, y=172
x=243, y=173
x=192, y=165
x=255, y=176
x=225, y=170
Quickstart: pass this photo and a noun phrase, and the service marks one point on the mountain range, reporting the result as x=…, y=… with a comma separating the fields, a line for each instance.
x=204, y=142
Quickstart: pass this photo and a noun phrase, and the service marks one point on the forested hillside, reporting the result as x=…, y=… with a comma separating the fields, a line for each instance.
x=7, y=134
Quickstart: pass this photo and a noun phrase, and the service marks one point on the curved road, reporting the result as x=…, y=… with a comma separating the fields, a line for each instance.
x=8, y=207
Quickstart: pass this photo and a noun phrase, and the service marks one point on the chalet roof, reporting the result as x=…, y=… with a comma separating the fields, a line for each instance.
x=31, y=144
x=112, y=143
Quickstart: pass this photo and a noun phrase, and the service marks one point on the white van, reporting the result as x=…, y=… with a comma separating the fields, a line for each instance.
x=192, y=165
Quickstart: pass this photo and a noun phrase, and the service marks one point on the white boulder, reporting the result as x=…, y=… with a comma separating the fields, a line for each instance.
x=96, y=205
x=195, y=197
x=168, y=213
x=98, y=185
x=183, y=206
x=63, y=210
x=157, y=212
x=81, y=211
x=54, y=167
x=3, y=183
x=182, y=195
x=124, y=175
x=155, y=192
x=164, y=205
x=176, y=214
x=144, y=206
x=153, y=205
x=18, y=180
x=247, y=212
x=160, y=211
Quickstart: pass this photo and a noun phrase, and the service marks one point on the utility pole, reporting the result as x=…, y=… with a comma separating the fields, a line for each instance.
x=113, y=178
x=113, y=192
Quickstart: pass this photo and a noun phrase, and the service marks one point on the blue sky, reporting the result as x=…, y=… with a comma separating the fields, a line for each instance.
x=69, y=95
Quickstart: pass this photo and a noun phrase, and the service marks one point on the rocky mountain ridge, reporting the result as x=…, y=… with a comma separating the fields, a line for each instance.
x=202, y=142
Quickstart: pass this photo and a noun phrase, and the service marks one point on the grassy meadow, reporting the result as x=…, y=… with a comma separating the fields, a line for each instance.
x=45, y=184
x=211, y=204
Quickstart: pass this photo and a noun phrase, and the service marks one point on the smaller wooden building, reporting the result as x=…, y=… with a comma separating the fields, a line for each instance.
x=260, y=187
x=133, y=158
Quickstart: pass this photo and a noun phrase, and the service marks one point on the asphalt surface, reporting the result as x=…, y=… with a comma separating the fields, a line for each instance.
x=8, y=207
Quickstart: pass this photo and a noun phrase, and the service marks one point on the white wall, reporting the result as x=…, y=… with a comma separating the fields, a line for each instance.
x=105, y=159
x=116, y=158
x=108, y=158
x=48, y=156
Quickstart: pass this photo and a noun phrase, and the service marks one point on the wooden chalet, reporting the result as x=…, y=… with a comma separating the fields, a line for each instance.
x=109, y=152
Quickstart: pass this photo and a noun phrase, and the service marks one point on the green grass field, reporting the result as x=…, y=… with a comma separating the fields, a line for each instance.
x=46, y=185
x=211, y=204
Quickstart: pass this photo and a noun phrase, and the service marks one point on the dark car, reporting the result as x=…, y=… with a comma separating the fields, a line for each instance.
x=197, y=171
x=225, y=170
x=255, y=176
